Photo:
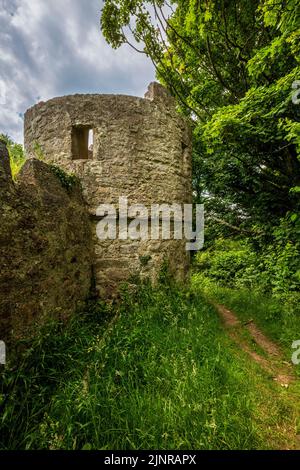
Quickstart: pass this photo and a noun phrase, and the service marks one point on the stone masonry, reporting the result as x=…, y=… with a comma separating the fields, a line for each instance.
x=141, y=149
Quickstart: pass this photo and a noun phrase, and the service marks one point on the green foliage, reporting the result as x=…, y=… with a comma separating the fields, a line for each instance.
x=157, y=372
x=68, y=181
x=17, y=159
x=38, y=365
x=278, y=317
x=231, y=64
x=258, y=279
x=16, y=154
x=38, y=151
x=272, y=267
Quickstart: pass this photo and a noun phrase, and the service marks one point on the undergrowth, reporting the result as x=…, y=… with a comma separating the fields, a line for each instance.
x=263, y=287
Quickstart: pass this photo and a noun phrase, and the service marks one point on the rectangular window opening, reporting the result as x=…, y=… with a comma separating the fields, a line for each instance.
x=82, y=143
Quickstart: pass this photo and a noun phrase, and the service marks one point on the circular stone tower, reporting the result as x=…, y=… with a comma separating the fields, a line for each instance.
x=120, y=146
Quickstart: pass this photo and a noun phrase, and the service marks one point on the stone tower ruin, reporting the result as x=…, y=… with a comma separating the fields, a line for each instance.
x=120, y=146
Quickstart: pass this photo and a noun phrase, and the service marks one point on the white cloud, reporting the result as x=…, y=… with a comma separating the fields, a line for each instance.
x=55, y=47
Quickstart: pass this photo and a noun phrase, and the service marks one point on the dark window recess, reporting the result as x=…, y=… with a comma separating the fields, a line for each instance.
x=82, y=143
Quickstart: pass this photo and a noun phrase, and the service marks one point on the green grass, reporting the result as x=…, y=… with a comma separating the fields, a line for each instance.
x=161, y=374
x=278, y=317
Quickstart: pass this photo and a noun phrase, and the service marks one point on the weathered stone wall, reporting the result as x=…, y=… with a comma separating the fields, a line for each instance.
x=45, y=248
x=141, y=150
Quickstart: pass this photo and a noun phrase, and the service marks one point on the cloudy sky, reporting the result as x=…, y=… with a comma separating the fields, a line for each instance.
x=54, y=47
